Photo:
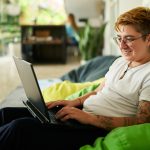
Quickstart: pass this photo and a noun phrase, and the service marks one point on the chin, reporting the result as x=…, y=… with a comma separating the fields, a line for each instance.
x=127, y=57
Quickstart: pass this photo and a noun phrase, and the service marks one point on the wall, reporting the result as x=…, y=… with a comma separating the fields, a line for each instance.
x=146, y=3
x=125, y=5
x=85, y=9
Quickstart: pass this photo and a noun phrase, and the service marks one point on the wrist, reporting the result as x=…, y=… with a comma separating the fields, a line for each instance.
x=80, y=101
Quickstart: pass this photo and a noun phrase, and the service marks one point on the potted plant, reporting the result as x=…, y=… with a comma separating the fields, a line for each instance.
x=91, y=41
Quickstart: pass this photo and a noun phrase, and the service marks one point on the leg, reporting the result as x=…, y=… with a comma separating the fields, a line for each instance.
x=10, y=113
x=28, y=132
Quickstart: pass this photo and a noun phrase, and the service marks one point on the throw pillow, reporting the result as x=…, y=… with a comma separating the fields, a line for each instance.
x=66, y=88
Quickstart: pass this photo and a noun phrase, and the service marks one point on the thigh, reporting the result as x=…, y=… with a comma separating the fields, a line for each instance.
x=10, y=113
x=29, y=132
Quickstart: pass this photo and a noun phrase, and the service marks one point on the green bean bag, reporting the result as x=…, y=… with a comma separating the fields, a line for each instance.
x=135, y=137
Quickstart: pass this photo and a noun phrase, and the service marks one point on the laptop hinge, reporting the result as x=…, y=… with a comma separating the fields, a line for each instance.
x=35, y=112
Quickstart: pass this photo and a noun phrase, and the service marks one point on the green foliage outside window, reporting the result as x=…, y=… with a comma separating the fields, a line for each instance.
x=30, y=12
x=42, y=11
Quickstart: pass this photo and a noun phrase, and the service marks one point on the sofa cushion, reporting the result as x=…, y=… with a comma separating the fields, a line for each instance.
x=92, y=70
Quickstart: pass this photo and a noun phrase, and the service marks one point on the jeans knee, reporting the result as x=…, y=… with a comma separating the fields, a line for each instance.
x=23, y=123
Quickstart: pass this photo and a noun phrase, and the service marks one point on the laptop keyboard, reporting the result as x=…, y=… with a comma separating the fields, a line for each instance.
x=52, y=112
x=52, y=117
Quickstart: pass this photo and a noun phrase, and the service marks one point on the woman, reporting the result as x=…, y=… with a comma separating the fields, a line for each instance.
x=122, y=100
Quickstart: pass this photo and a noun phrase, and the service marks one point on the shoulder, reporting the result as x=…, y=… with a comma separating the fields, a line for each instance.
x=118, y=62
x=144, y=70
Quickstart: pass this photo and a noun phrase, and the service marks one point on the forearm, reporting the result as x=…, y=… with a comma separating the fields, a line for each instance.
x=109, y=123
x=142, y=116
x=81, y=99
x=84, y=97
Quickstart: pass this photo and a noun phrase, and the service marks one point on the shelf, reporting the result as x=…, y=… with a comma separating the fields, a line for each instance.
x=52, y=42
x=44, y=43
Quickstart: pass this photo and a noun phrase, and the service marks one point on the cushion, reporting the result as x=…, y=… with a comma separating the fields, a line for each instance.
x=94, y=69
x=83, y=91
x=135, y=137
x=66, y=88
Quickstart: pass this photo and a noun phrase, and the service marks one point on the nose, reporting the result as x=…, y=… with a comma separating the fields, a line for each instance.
x=123, y=44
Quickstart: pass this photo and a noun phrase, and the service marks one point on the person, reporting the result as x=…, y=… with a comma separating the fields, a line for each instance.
x=72, y=30
x=123, y=99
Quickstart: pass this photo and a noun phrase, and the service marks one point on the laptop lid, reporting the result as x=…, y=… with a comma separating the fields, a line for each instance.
x=35, y=103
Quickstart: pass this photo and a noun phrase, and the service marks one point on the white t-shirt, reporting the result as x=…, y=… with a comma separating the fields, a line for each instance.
x=120, y=98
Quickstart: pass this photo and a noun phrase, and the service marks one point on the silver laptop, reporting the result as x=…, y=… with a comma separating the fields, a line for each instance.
x=35, y=102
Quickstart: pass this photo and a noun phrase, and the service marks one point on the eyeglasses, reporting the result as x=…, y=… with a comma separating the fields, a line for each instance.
x=127, y=40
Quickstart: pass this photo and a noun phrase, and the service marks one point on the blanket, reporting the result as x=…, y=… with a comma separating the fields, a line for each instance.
x=69, y=90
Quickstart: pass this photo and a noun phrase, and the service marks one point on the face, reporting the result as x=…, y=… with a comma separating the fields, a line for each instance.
x=132, y=45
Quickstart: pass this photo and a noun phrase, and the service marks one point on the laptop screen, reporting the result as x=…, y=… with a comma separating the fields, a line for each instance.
x=30, y=84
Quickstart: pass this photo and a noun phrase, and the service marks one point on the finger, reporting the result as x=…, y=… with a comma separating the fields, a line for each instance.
x=65, y=111
x=55, y=103
x=72, y=114
x=66, y=117
x=48, y=103
x=62, y=112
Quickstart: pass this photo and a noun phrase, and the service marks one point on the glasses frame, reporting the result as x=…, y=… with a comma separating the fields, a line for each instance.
x=127, y=40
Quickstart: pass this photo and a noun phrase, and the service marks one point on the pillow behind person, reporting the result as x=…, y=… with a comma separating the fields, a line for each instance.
x=83, y=91
x=67, y=90
x=94, y=69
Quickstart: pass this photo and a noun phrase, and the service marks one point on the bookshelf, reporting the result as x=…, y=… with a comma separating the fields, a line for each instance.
x=43, y=43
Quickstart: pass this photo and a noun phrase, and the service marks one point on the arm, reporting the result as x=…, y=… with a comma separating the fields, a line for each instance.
x=72, y=103
x=143, y=116
x=84, y=97
x=76, y=102
x=108, y=123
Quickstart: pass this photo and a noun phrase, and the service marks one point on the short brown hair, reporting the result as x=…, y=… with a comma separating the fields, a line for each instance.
x=138, y=17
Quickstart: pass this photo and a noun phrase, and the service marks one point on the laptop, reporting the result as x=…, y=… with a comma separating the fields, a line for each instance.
x=35, y=102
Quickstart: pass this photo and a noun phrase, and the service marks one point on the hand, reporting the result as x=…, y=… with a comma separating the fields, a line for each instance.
x=74, y=113
x=60, y=103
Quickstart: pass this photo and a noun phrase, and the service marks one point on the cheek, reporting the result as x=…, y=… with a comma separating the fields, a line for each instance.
x=135, y=48
x=139, y=49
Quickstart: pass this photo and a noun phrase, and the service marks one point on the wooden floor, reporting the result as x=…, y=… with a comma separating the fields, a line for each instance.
x=9, y=78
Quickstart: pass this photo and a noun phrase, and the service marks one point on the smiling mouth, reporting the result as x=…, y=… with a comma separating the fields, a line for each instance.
x=126, y=52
